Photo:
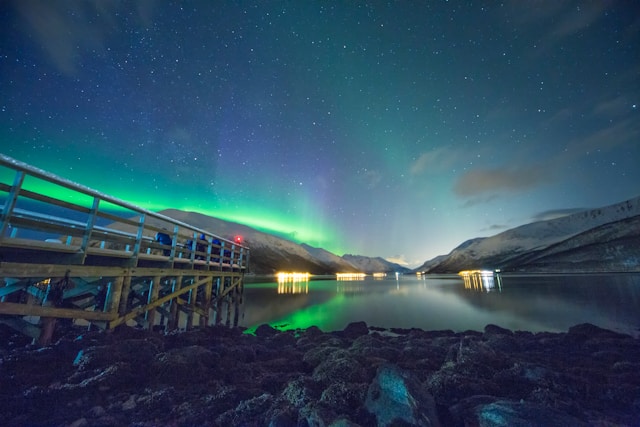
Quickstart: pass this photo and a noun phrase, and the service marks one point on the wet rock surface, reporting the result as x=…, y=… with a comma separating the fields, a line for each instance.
x=360, y=376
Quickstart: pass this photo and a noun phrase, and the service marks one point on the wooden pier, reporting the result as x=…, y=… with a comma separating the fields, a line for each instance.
x=70, y=252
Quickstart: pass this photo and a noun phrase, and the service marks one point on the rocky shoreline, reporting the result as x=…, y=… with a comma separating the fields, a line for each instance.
x=359, y=376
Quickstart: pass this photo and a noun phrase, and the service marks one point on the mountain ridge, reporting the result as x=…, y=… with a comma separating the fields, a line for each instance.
x=515, y=249
x=601, y=239
x=270, y=254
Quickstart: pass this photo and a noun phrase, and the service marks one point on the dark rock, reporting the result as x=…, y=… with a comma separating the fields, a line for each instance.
x=313, y=331
x=503, y=342
x=355, y=329
x=371, y=346
x=395, y=397
x=520, y=414
x=463, y=411
x=316, y=355
x=265, y=330
x=301, y=391
x=342, y=396
x=282, y=418
x=219, y=376
x=283, y=339
x=496, y=330
x=590, y=331
x=182, y=365
x=339, y=366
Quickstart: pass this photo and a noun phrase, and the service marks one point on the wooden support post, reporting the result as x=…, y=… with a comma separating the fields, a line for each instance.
x=219, y=298
x=153, y=296
x=174, y=320
x=124, y=298
x=229, y=300
x=113, y=302
x=193, y=295
x=206, y=305
x=238, y=291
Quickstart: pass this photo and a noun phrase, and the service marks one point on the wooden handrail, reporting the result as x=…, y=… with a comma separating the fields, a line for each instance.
x=132, y=231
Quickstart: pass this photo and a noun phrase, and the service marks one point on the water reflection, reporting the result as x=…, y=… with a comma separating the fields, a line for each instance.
x=350, y=287
x=293, y=283
x=481, y=280
x=532, y=303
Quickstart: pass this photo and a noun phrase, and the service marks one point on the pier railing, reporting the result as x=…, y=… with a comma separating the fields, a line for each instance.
x=68, y=251
x=88, y=227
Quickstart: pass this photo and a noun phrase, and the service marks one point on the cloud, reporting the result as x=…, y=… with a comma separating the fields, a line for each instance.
x=371, y=178
x=620, y=133
x=496, y=227
x=555, y=213
x=479, y=200
x=613, y=107
x=68, y=30
x=438, y=159
x=578, y=17
x=557, y=19
x=491, y=181
x=552, y=21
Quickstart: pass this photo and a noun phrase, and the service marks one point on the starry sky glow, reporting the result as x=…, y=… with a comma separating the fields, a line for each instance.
x=393, y=129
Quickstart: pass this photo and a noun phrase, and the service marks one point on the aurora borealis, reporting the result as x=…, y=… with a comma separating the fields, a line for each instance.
x=393, y=129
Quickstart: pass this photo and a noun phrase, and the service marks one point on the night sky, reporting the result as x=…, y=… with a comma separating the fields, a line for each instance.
x=393, y=129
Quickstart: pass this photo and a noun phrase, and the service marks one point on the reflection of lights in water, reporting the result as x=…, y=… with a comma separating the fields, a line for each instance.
x=379, y=276
x=350, y=276
x=350, y=288
x=482, y=280
x=293, y=283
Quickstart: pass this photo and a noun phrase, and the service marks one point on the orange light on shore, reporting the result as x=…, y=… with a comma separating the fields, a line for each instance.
x=284, y=276
x=293, y=283
x=350, y=276
x=481, y=279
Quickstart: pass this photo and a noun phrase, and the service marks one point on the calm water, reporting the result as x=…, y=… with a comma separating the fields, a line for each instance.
x=533, y=303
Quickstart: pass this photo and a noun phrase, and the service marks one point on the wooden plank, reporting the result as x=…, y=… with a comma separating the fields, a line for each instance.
x=24, y=270
x=19, y=243
x=38, y=310
x=109, y=252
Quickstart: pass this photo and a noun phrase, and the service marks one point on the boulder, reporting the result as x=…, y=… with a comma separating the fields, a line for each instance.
x=396, y=397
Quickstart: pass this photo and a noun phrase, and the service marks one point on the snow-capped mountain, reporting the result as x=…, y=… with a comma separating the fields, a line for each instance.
x=374, y=265
x=269, y=253
x=576, y=242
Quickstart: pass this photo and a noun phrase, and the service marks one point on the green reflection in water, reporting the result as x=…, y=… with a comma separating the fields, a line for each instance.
x=324, y=316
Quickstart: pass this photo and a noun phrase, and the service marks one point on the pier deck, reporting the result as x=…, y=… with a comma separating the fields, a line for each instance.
x=67, y=251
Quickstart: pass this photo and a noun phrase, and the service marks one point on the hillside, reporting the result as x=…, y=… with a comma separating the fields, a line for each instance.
x=269, y=254
x=577, y=242
x=371, y=265
x=610, y=247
